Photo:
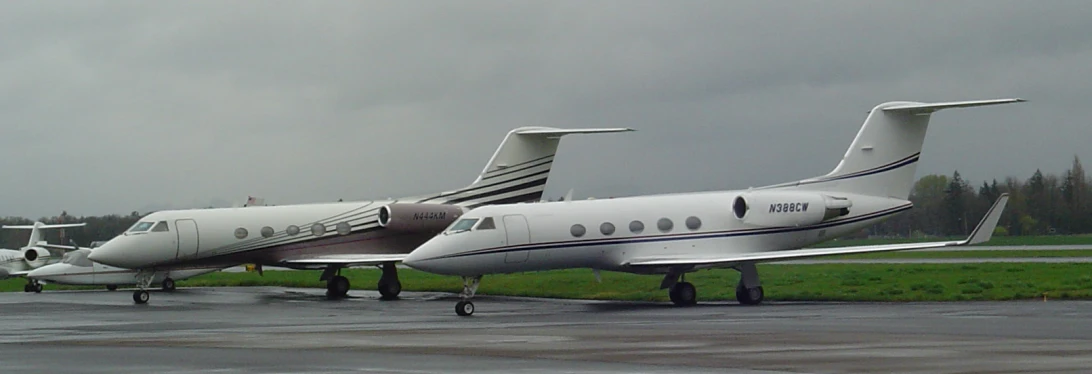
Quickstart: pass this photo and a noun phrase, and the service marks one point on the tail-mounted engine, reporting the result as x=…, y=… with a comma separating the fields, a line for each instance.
x=418, y=217
x=37, y=257
x=788, y=208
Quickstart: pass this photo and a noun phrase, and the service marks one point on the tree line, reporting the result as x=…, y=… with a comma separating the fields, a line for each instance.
x=944, y=205
x=1042, y=204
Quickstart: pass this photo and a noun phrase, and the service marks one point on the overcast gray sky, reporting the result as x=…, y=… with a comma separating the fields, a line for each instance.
x=115, y=106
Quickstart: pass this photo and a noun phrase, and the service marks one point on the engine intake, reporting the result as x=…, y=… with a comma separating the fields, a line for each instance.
x=788, y=208
x=419, y=217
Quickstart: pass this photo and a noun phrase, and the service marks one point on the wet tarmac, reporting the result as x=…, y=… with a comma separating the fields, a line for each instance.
x=278, y=330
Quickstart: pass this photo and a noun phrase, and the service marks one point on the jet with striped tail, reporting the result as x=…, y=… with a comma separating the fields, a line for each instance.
x=332, y=236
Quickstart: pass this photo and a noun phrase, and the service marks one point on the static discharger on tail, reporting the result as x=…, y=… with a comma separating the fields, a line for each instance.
x=331, y=236
x=674, y=234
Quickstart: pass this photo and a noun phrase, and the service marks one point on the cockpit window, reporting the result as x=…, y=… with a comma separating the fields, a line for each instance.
x=487, y=224
x=463, y=225
x=141, y=226
x=161, y=226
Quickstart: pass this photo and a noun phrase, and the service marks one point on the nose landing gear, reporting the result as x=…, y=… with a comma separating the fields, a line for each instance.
x=465, y=307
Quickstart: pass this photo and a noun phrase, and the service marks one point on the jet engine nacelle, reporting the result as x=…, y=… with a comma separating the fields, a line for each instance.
x=36, y=257
x=788, y=208
x=419, y=217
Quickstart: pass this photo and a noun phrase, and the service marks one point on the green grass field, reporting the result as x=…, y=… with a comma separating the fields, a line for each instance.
x=842, y=282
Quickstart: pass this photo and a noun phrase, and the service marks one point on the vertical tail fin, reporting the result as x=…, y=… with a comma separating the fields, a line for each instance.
x=519, y=168
x=883, y=157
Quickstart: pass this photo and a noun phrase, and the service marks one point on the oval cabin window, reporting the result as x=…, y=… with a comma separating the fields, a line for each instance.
x=636, y=227
x=578, y=230
x=606, y=228
x=664, y=224
x=693, y=223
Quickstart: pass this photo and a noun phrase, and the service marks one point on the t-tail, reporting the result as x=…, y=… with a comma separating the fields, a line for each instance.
x=519, y=168
x=35, y=230
x=883, y=157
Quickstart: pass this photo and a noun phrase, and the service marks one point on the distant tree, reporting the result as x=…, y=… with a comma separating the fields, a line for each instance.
x=957, y=195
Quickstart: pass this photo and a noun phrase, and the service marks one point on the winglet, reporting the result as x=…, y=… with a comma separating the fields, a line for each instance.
x=984, y=231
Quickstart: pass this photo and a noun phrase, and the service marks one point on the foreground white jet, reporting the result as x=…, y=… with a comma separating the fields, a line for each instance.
x=678, y=233
x=335, y=235
x=37, y=253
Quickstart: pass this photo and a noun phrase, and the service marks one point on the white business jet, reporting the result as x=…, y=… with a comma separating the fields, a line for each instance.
x=76, y=269
x=37, y=253
x=673, y=234
x=335, y=235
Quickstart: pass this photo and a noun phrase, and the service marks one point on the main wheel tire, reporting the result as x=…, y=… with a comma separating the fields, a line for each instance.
x=389, y=290
x=749, y=296
x=26, y=288
x=112, y=287
x=464, y=308
x=38, y=288
x=168, y=284
x=683, y=294
x=337, y=287
x=141, y=296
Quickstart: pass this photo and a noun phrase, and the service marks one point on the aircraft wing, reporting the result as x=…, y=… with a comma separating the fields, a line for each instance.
x=982, y=233
x=345, y=260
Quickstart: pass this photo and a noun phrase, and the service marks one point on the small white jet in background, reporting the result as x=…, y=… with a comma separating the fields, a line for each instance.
x=75, y=269
x=332, y=236
x=37, y=253
x=673, y=234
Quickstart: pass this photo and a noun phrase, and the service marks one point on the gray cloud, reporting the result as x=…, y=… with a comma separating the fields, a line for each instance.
x=119, y=106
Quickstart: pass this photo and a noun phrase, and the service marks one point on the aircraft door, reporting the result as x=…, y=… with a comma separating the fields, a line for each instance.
x=187, y=237
x=517, y=233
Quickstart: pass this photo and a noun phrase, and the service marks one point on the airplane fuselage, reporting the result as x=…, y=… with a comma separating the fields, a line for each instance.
x=606, y=234
x=262, y=235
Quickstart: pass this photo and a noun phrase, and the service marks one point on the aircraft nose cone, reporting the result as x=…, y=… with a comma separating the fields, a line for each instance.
x=420, y=258
x=44, y=272
x=108, y=254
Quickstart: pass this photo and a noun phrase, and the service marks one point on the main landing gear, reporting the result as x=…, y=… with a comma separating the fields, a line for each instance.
x=389, y=287
x=337, y=286
x=748, y=290
x=470, y=286
x=33, y=286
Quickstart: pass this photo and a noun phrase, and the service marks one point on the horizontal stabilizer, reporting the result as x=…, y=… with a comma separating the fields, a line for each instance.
x=926, y=108
x=981, y=234
x=561, y=132
x=43, y=226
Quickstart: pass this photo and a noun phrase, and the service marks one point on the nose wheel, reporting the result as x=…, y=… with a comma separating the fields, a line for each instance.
x=465, y=307
x=143, y=280
x=141, y=296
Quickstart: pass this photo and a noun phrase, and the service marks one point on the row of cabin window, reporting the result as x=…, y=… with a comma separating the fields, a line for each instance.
x=637, y=227
x=317, y=229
